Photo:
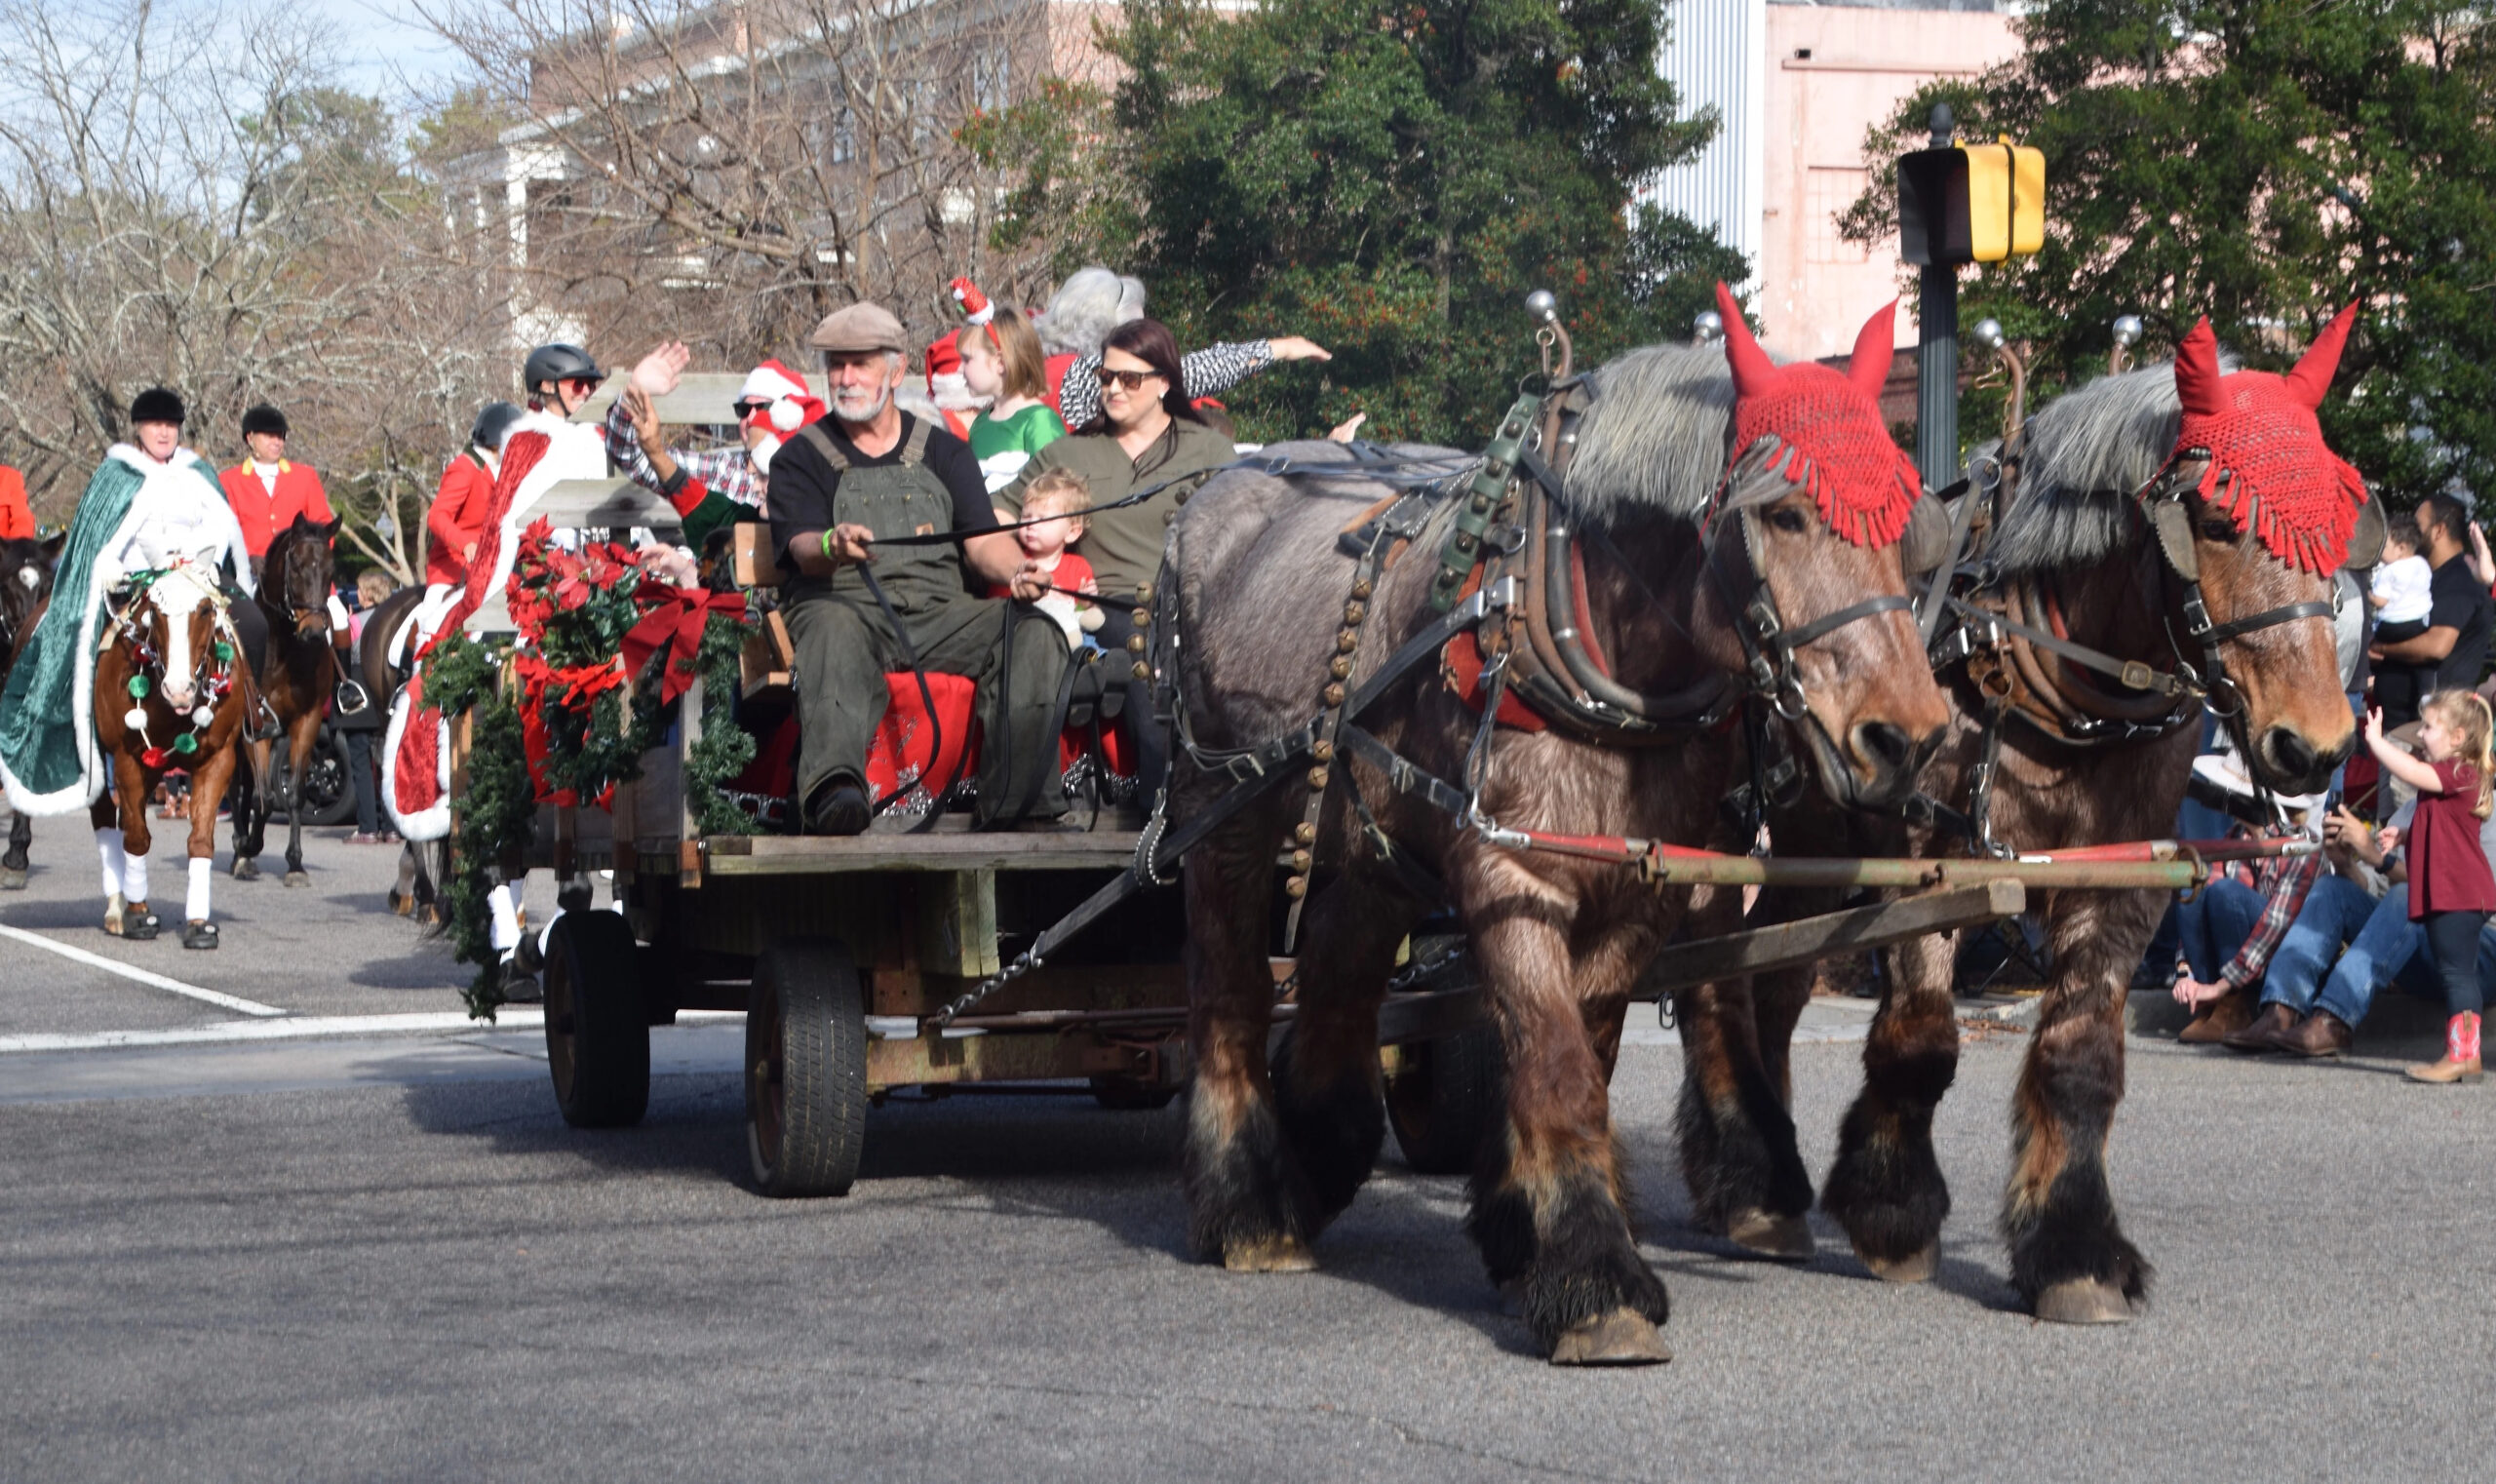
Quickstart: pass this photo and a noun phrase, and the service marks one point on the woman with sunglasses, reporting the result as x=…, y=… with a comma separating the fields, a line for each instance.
x=1145, y=435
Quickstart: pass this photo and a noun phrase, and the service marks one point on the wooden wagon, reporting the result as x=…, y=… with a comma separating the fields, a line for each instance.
x=845, y=952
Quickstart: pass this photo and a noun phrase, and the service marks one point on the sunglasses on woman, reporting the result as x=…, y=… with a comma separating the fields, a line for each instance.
x=1130, y=380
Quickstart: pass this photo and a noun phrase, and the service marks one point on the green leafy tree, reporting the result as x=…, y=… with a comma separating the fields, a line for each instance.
x=2264, y=161
x=1392, y=180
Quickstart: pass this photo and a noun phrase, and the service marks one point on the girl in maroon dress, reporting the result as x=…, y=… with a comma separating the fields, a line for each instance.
x=2451, y=889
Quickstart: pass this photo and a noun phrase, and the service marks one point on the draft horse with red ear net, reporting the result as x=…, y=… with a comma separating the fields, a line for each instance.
x=1675, y=559
x=297, y=672
x=2157, y=541
x=172, y=689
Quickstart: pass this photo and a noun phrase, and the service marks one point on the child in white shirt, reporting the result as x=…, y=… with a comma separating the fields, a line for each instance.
x=2401, y=584
x=2402, y=596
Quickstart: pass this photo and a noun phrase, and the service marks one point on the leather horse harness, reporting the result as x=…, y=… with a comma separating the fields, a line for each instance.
x=2021, y=657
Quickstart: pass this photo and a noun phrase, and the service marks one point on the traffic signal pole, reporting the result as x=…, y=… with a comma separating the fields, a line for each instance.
x=1937, y=354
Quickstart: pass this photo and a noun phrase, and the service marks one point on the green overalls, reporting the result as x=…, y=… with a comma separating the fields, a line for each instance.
x=845, y=645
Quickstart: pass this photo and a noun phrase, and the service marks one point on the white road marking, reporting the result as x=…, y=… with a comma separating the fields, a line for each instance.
x=143, y=976
x=304, y=1027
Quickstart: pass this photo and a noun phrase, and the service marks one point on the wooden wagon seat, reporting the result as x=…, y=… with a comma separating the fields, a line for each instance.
x=902, y=741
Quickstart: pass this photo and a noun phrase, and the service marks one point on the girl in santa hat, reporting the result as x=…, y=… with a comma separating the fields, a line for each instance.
x=1001, y=359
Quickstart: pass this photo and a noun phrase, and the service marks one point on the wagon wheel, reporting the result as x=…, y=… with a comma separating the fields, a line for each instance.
x=1447, y=1098
x=598, y=1033
x=806, y=1069
x=329, y=781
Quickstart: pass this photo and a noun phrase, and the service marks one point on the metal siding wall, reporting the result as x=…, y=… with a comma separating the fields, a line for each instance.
x=1716, y=55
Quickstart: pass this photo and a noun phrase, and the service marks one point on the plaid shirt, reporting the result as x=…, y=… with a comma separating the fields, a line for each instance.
x=727, y=472
x=2284, y=880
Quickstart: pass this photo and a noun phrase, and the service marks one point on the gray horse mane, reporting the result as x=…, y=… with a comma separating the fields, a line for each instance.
x=1655, y=434
x=2087, y=453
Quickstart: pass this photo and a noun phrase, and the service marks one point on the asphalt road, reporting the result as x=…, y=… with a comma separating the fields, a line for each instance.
x=382, y=1256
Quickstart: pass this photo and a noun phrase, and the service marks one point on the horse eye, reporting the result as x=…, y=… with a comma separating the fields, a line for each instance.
x=1790, y=522
x=2218, y=528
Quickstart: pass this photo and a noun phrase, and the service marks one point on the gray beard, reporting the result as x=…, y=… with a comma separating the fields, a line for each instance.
x=883, y=400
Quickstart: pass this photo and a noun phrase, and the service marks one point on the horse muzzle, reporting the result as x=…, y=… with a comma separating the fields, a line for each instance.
x=1877, y=767
x=2290, y=763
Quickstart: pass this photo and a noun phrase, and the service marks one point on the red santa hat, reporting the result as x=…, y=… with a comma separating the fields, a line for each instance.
x=786, y=404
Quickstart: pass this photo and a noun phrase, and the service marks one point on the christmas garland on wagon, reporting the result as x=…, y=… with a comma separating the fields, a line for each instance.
x=604, y=650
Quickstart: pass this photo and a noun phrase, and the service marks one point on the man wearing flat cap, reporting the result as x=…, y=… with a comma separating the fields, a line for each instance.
x=841, y=490
x=267, y=489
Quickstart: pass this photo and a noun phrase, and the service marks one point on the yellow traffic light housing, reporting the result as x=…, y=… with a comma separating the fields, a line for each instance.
x=1971, y=203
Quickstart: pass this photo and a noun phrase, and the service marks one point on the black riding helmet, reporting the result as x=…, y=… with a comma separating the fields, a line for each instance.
x=558, y=363
x=494, y=423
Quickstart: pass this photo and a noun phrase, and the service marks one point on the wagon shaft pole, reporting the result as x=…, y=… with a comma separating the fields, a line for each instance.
x=1770, y=871
x=1792, y=945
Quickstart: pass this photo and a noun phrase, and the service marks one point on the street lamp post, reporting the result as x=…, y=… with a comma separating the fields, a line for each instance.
x=1937, y=352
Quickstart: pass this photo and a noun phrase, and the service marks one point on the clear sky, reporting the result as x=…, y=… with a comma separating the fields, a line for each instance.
x=387, y=48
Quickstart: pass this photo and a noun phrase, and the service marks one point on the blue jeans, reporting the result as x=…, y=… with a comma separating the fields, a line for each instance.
x=2384, y=946
x=2215, y=923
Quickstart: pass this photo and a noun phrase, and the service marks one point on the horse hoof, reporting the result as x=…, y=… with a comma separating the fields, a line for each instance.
x=1914, y=1268
x=401, y=906
x=1762, y=1233
x=246, y=869
x=1272, y=1254
x=138, y=925
x=13, y=877
x=299, y=878
x=524, y=990
x=114, y=907
x=2083, y=1301
x=1622, y=1337
x=198, y=933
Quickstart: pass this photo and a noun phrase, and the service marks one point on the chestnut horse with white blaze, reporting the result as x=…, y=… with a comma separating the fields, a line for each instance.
x=2161, y=538
x=171, y=689
x=1693, y=497
x=297, y=675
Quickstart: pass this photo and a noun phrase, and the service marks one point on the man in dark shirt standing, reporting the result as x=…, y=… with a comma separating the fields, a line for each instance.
x=2453, y=651
x=867, y=474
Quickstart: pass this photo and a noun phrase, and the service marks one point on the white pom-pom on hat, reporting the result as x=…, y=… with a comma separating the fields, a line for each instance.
x=785, y=414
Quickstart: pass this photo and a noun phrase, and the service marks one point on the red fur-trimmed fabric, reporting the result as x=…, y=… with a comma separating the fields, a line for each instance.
x=416, y=762
x=2281, y=481
x=1829, y=425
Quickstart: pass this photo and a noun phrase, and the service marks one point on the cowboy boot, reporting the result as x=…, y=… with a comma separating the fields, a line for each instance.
x=2275, y=1021
x=2219, y=1019
x=2461, y=1053
x=2320, y=1034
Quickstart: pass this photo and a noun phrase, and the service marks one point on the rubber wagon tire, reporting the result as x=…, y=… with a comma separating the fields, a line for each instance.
x=1448, y=1099
x=598, y=1032
x=805, y=1070
x=328, y=785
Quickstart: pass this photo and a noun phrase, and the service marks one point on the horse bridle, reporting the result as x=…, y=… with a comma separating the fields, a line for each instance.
x=1582, y=696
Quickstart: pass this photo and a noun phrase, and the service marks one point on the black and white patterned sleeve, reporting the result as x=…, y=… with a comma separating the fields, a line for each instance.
x=1216, y=369
x=1209, y=372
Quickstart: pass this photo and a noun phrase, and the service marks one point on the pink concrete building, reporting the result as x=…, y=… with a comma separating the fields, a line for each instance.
x=1796, y=87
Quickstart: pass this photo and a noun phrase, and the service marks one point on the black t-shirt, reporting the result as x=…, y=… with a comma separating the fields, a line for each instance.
x=802, y=481
x=2458, y=601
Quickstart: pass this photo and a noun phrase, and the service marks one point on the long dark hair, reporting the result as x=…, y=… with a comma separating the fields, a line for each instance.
x=1151, y=342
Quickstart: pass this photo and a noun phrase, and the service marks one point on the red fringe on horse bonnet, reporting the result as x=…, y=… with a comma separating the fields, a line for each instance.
x=2283, y=482
x=1834, y=443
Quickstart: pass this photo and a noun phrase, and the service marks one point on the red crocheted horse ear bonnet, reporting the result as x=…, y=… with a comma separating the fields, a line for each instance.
x=1829, y=426
x=2284, y=482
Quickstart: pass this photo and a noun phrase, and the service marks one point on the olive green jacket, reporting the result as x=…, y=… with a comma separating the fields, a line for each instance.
x=1124, y=546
